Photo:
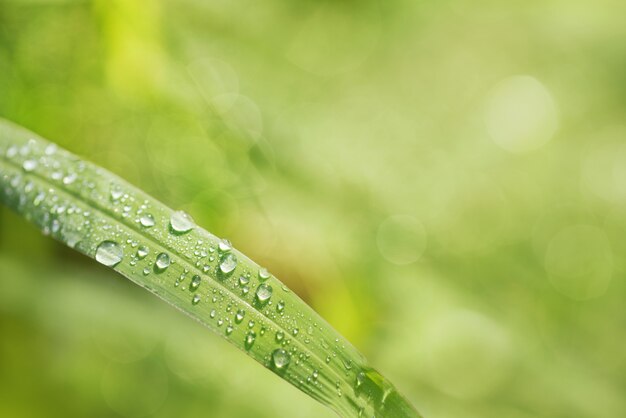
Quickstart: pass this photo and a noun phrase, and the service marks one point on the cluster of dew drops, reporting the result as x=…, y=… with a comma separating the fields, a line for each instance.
x=110, y=253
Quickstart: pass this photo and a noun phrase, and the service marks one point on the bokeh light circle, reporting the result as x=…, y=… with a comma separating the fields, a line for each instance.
x=521, y=115
x=401, y=239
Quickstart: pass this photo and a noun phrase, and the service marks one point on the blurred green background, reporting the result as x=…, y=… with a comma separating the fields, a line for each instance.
x=444, y=181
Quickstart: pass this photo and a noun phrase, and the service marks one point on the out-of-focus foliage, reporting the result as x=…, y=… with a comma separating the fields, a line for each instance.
x=444, y=181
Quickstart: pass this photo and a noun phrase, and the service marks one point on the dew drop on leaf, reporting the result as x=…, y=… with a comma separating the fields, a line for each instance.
x=146, y=220
x=263, y=293
x=109, y=253
x=162, y=261
x=142, y=252
x=250, y=338
x=29, y=165
x=225, y=245
x=195, y=282
x=264, y=274
x=280, y=358
x=228, y=262
x=239, y=316
x=181, y=222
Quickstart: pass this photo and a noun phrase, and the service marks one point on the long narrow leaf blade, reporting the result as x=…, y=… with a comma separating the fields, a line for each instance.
x=164, y=251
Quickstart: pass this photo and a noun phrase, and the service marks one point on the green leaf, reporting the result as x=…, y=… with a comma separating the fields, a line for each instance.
x=100, y=215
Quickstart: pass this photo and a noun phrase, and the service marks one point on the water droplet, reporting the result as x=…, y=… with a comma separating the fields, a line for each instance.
x=109, y=253
x=181, y=222
x=225, y=245
x=264, y=274
x=206, y=268
x=69, y=179
x=212, y=313
x=147, y=220
x=142, y=252
x=146, y=271
x=263, y=293
x=162, y=262
x=116, y=192
x=251, y=324
x=280, y=306
x=228, y=263
x=280, y=358
x=195, y=300
x=279, y=336
x=51, y=149
x=315, y=374
x=229, y=330
x=239, y=316
x=295, y=331
x=243, y=280
x=29, y=165
x=195, y=282
x=360, y=379
x=250, y=338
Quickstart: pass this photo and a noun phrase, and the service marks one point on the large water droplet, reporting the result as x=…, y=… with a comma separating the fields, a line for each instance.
x=263, y=293
x=109, y=253
x=228, y=262
x=162, y=261
x=147, y=220
x=181, y=222
x=280, y=358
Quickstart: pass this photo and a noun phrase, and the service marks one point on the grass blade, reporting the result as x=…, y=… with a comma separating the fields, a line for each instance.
x=105, y=218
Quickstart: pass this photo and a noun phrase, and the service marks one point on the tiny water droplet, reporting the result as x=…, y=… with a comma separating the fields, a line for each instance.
x=147, y=220
x=280, y=358
x=146, y=271
x=295, y=331
x=280, y=306
x=29, y=165
x=195, y=300
x=195, y=282
x=243, y=280
x=162, y=262
x=263, y=293
x=109, y=253
x=213, y=313
x=181, y=222
x=229, y=330
x=225, y=245
x=228, y=263
x=251, y=324
x=142, y=252
x=279, y=336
